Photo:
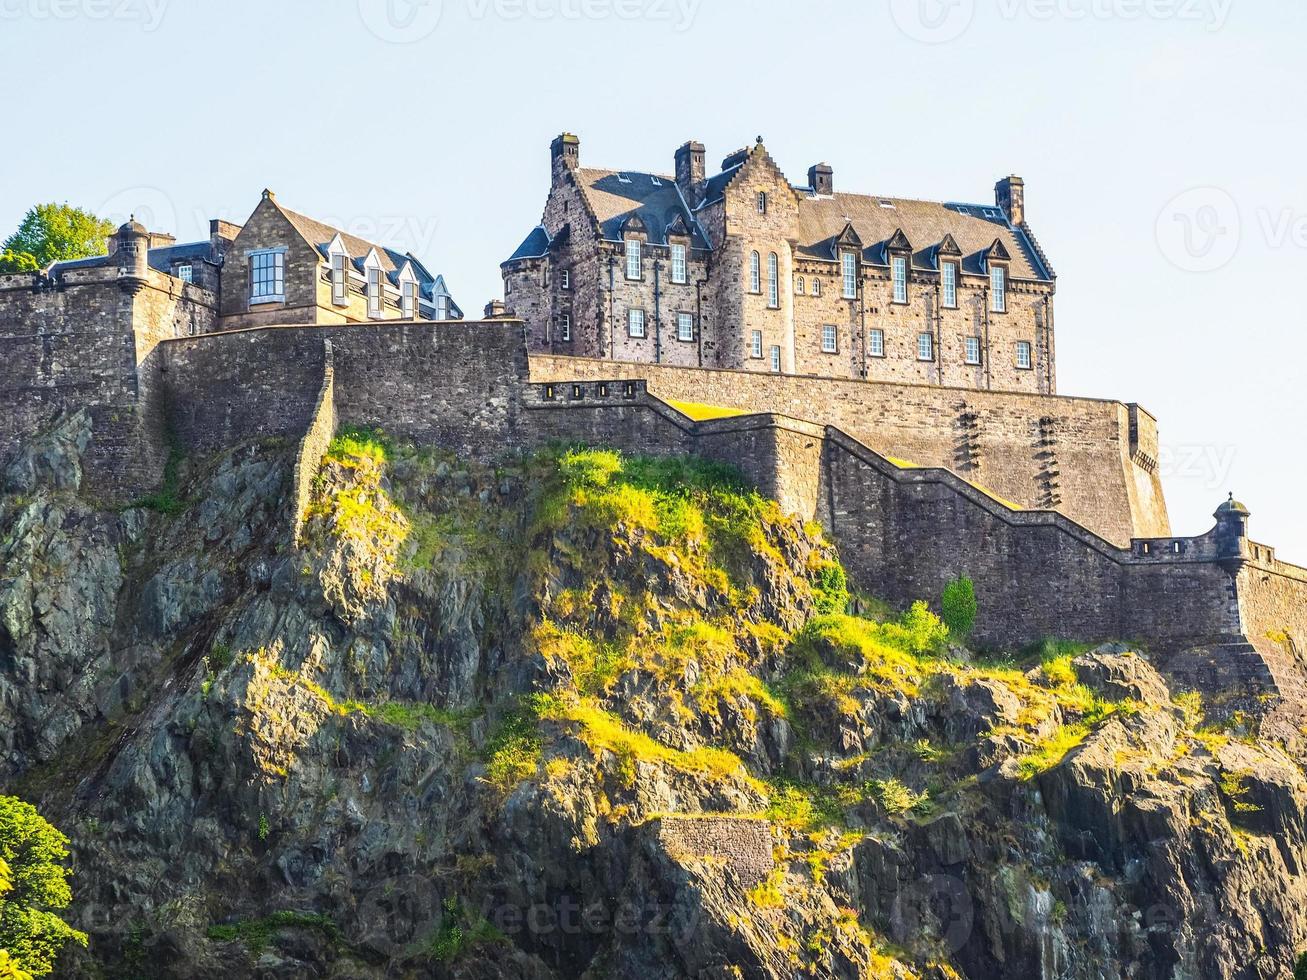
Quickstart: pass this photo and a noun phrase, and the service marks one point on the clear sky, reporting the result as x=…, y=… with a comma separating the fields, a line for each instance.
x=1162, y=142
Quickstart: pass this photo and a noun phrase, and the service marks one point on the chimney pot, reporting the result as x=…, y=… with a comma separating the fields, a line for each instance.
x=821, y=178
x=1010, y=196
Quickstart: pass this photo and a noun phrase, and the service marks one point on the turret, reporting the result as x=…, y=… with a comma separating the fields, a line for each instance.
x=565, y=153
x=132, y=253
x=1232, y=534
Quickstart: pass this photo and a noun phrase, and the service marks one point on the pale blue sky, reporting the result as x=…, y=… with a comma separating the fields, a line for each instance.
x=432, y=134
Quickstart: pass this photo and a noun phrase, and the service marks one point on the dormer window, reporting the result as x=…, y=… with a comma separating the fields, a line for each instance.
x=773, y=281
x=755, y=272
x=340, y=264
x=633, y=258
x=376, y=293
x=442, y=307
x=268, y=276
x=762, y=202
x=948, y=276
x=408, y=299
x=849, y=273
x=899, y=264
x=998, y=289
x=678, y=264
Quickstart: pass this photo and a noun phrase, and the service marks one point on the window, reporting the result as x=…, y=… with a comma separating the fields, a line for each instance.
x=762, y=202
x=186, y=273
x=678, y=263
x=442, y=307
x=635, y=323
x=973, y=350
x=948, y=274
x=755, y=343
x=776, y=360
x=565, y=326
x=925, y=347
x=773, y=281
x=876, y=343
x=849, y=263
x=376, y=293
x=799, y=286
x=1023, y=355
x=408, y=299
x=816, y=287
x=685, y=326
x=340, y=279
x=267, y=276
x=900, y=266
x=998, y=289
x=633, y=259
x=565, y=278
x=829, y=339
x=755, y=273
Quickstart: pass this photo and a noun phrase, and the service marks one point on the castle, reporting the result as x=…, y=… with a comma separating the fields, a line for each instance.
x=1051, y=504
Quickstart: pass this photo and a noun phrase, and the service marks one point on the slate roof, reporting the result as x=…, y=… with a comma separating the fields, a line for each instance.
x=534, y=246
x=163, y=259
x=616, y=195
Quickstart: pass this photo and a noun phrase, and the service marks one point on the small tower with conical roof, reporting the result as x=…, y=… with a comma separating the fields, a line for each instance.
x=133, y=256
x=1232, y=534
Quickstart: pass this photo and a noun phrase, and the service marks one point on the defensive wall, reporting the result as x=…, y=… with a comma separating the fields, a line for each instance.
x=1093, y=460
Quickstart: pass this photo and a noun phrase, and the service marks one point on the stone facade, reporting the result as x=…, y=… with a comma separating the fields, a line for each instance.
x=746, y=270
x=742, y=844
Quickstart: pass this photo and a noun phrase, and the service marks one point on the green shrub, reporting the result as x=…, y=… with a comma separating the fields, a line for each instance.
x=353, y=440
x=831, y=588
x=1300, y=971
x=959, y=608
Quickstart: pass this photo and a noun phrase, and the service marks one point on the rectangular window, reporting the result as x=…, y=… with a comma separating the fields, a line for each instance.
x=755, y=343
x=776, y=360
x=186, y=273
x=829, y=339
x=267, y=276
x=762, y=202
x=340, y=279
x=900, y=264
x=678, y=263
x=376, y=293
x=925, y=347
x=1023, y=355
x=633, y=259
x=565, y=326
x=876, y=343
x=849, y=263
x=565, y=278
x=949, y=276
x=442, y=307
x=973, y=350
x=755, y=273
x=773, y=281
x=685, y=326
x=408, y=300
x=998, y=289
x=635, y=323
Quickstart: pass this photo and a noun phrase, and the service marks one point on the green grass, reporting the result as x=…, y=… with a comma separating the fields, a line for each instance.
x=256, y=934
x=358, y=442
x=513, y=751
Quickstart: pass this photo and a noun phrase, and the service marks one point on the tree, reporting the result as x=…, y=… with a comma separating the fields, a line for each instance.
x=32, y=854
x=18, y=262
x=58, y=232
x=959, y=608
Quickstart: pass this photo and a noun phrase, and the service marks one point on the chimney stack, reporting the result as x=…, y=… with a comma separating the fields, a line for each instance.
x=565, y=153
x=821, y=179
x=691, y=172
x=1010, y=195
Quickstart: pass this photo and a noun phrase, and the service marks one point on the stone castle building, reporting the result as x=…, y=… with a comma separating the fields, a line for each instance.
x=746, y=270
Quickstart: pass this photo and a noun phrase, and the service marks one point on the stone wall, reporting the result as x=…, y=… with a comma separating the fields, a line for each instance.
x=1273, y=601
x=1075, y=455
x=742, y=844
x=314, y=445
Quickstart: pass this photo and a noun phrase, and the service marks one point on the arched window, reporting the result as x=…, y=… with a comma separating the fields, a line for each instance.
x=773, y=280
x=799, y=286
x=816, y=287
x=755, y=273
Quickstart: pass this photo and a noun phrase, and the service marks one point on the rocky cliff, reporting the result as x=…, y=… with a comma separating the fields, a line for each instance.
x=585, y=716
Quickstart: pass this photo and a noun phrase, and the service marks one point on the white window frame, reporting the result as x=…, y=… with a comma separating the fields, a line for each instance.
x=755, y=344
x=408, y=299
x=816, y=286
x=635, y=323
x=776, y=359
x=773, y=280
x=998, y=289
x=274, y=280
x=442, y=307
x=755, y=272
x=376, y=292
x=948, y=275
x=634, y=263
x=340, y=264
x=899, y=267
x=1025, y=356
x=762, y=202
x=925, y=346
x=565, y=326
x=565, y=278
x=685, y=326
x=971, y=349
x=678, y=264
x=186, y=272
x=849, y=274
x=876, y=342
x=830, y=339
x=800, y=287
